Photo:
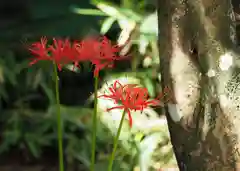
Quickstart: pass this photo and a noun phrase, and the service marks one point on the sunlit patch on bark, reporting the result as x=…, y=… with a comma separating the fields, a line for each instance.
x=211, y=73
x=175, y=112
x=225, y=61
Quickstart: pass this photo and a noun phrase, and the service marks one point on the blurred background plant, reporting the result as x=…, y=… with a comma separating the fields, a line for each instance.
x=28, y=135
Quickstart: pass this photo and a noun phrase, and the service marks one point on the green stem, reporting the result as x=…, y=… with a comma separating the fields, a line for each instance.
x=59, y=122
x=116, y=142
x=94, y=123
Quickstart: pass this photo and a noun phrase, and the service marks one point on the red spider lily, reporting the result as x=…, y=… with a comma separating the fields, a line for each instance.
x=108, y=51
x=61, y=52
x=131, y=97
x=98, y=49
x=101, y=53
x=88, y=48
x=39, y=49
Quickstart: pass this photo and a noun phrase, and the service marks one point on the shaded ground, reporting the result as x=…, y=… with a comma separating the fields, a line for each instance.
x=17, y=161
x=27, y=168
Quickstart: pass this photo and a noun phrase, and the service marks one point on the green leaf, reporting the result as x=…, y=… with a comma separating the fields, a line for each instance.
x=110, y=10
x=73, y=115
x=5, y=145
x=150, y=86
x=48, y=92
x=45, y=140
x=123, y=23
x=12, y=136
x=107, y=23
x=1, y=75
x=21, y=66
x=3, y=93
x=147, y=148
x=34, y=149
x=103, y=165
x=37, y=79
x=125, y=17
x=150, y=24
x=10, y=75
x=143, y=44
x=82, y=11
x=130, y=14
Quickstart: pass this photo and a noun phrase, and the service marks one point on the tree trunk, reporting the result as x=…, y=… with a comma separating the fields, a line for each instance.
x=199, y=61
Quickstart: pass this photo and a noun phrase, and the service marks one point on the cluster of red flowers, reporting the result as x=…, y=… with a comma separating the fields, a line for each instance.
x=131, y=97
x=100, y=52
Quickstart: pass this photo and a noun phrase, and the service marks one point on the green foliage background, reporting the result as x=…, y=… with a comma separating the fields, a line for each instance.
x=27, y=111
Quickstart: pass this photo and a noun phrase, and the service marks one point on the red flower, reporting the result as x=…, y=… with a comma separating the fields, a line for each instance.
x=64, y=53
x=131, y=97
x=100, y=53
x=39, y=49
x=107, y=50
x=61, y=52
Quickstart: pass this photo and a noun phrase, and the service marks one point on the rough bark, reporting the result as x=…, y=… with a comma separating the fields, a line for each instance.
x=199, y=61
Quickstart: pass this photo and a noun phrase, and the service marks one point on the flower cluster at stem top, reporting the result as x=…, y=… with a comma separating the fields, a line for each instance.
x=100, y=52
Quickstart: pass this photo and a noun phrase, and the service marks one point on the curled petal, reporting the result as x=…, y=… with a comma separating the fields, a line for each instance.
x=131, y=96
x=116, y=107
x=40, y=51
x=130, y=118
